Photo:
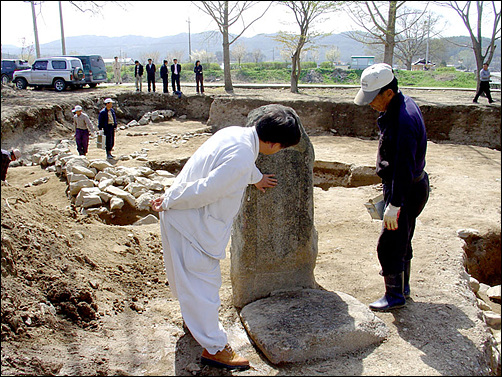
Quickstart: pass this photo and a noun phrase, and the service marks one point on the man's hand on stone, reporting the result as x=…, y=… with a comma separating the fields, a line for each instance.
x=266, y=182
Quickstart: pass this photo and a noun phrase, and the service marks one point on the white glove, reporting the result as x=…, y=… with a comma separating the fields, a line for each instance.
x=390, y=217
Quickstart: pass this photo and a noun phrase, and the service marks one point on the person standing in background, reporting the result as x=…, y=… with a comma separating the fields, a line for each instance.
x=138, y=75
x=83, y=128
x=107, y=121
x=150, y=74
x=117, y=67
x=484, y=84
x=175, y=75
x=164, y=74
x=199, y=76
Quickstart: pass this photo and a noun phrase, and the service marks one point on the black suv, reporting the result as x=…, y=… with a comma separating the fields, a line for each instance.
x=9, y=66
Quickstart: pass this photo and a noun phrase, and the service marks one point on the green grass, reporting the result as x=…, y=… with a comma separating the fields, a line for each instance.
x=279, y=73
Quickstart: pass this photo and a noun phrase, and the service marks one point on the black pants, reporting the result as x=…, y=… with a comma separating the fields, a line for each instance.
x=110, y=138
x=199, y=79
x=175, y=79
x=394, y=246
x=151, y=81
x=484, y=86
x=165, y=83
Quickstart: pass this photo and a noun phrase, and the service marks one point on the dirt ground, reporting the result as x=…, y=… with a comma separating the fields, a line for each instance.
x=80, y=297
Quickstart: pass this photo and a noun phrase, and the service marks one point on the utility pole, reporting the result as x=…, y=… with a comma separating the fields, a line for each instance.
x=63, y=47
x=428, y=24
x=37, y=46
x=189, y=43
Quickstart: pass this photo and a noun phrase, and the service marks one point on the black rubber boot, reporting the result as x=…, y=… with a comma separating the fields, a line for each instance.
x=393, y=297
x=406, y=286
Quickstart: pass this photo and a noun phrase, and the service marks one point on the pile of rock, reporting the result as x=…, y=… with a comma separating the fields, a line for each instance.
x=488, y=297
x=96, y=186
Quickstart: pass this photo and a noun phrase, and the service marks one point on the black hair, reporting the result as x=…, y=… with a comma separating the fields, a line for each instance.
x=391, y=85
x=136, y=62
x=198, y=61
x=281, y=126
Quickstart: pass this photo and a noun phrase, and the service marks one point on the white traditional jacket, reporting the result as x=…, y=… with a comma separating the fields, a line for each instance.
x=207, y=194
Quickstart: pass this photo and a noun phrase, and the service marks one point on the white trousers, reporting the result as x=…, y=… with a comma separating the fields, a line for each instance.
x=116, y=76
x=195, y=280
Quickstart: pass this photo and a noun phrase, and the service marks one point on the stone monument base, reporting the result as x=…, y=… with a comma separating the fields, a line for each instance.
x=306, y=324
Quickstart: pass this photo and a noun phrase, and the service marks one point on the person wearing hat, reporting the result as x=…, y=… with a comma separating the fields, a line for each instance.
x=7, y=158
x=400, y=163
x=107, y=121
x=83, y=128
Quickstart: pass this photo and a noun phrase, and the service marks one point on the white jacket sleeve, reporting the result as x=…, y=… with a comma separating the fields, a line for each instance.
x=226, y=179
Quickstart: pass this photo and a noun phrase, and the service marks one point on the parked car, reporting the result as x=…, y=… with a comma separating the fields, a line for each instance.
x=57, y=72
x=9, y=66
x=94, y=69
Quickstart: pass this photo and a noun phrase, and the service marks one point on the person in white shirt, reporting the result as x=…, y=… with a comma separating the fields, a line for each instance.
x=196, y=215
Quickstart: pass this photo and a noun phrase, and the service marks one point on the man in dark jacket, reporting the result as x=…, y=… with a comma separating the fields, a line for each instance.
x=138, y=74
x=175, y=75
x=107, y=121
x=165, y=76
x=400, y=164
x=150, y=74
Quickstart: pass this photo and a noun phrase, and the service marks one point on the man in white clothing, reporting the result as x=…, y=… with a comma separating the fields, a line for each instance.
x=117, y=67
x=196, y=216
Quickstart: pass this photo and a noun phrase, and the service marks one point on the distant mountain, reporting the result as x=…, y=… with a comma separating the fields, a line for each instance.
x=137, y=46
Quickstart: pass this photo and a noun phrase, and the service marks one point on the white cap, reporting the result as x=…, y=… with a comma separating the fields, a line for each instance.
x=108, y=100
x=373, y=79
x=77, y=108
x=17, y=153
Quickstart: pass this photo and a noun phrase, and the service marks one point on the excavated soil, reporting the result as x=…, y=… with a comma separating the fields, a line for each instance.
x=82, y=297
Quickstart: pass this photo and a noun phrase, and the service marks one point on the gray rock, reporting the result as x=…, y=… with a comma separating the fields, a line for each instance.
x=494, y=292
x=308, y=324
x=149, y=219
x=274, y=241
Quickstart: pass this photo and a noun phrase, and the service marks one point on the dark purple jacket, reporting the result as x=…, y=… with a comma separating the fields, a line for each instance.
x=402, y=147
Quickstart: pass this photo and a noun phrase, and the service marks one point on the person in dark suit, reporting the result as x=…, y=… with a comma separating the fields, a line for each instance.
x=175, y=75
x=165, y=76
x=150, y=74
x=138, y=74
x=199, y=77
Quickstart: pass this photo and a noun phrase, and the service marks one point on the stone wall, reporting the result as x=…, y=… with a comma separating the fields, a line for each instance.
x=471, y=125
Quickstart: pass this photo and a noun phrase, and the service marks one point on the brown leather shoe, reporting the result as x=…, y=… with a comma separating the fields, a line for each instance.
x=226, y=358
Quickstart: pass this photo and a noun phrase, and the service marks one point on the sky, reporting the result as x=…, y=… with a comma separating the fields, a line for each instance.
x=159, y=19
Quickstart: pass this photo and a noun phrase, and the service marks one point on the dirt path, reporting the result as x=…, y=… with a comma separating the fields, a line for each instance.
x=47, y=250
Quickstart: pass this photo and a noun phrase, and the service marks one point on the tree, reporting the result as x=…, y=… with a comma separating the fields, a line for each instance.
x=226, y=14
x=238, y=52
x=257, y=55
x=472, y=18
x=333, y=54
x=305, y=13
x=414, y=35
x=83, y=6
x=378, y=20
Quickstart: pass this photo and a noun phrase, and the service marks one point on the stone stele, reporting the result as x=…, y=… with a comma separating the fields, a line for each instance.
x=273, y=254
x=274, y=241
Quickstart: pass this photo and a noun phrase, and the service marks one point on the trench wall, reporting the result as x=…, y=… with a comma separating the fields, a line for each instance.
x=462, y=124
